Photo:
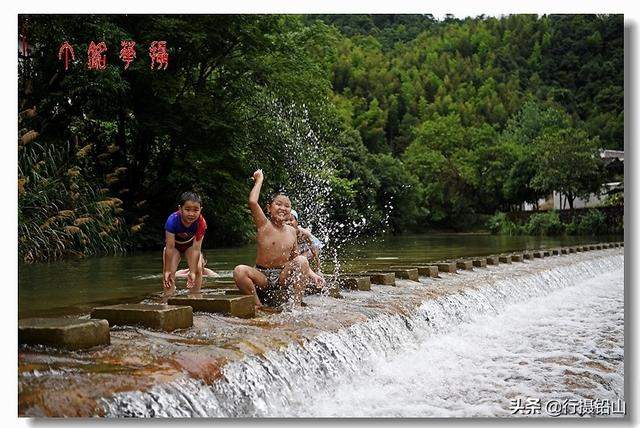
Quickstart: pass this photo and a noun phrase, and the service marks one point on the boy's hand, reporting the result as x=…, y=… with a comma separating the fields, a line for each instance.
x=191, y=280
x=258, y=176
x=168, y=281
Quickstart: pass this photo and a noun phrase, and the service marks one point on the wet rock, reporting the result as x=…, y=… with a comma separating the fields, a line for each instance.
x=592, y=247
x=382, y=278
x=504, y=259
x=493, y=260
x=464, y=264
x=448, y=267
x=159, y=317
x=517, y=257
x=546, y=253
x=564, y=250
x=237, y=306
x=66, y=333
x=423, y=270
x=538, y=254
x=527, y=256
x=361, y=283
x=481, y=262
x=572, y=249
x=410, y=274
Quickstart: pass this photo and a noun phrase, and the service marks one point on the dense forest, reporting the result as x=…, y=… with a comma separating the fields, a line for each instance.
x=371, y=123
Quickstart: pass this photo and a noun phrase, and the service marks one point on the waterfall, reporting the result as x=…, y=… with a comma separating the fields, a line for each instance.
x=259, y=386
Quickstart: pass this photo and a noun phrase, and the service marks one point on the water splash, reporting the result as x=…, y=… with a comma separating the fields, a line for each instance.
x=278, y=382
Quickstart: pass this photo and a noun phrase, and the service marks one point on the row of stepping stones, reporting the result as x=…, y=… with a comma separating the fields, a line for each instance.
x=224, y=298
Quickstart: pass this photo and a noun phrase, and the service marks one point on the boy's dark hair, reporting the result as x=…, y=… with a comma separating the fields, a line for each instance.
x=190, y=196
x=276, y=194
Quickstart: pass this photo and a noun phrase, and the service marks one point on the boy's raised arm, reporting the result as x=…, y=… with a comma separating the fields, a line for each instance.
x=258, y=215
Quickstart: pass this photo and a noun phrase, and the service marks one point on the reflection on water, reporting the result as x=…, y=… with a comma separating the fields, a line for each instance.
x=49, y=289
x=225, y=366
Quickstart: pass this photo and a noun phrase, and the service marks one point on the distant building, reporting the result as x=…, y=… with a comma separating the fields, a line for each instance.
x=614, y=162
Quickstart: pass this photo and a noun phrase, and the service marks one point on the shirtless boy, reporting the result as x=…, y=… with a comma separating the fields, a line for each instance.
x=278, y=264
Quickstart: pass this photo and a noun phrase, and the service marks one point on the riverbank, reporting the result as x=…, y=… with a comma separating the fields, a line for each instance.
x=226, y=366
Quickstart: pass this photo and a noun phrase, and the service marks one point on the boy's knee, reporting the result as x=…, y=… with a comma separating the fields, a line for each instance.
x=240, y=271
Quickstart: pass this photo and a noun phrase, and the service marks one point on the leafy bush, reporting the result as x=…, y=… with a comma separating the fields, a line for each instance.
x=593, y=222
x=544, y=224
x=501, y=225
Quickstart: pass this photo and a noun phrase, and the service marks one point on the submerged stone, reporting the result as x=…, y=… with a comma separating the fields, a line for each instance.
x=159, y=317
x=361, y=283
x=234, y=305
x=220, y=285
x=464, y=264
x=410, y=274
x=493, y=260
x=382, y=278
x=423, y=270
x=482, y=262
x=449, y=267
x=65, y=333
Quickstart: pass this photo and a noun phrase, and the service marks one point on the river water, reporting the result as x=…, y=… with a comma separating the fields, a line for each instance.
x=75, y=287
x=463, y=345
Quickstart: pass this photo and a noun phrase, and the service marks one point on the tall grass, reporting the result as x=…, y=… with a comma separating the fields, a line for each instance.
x=60, y=214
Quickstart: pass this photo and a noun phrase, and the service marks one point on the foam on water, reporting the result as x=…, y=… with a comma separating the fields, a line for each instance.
x=566, y=345
x=550, y=333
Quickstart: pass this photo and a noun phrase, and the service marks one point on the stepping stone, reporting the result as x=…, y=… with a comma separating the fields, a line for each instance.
x=607, y=245
x=592, y=247
x=504, y=259
x=564, y=250
x=425, y=270
x=234, y=305
x=517, y=257
x=479, y=262
x=382, y=278
x=410, y=274
x=598, y=246
x=449, y=267
x=493, y=260
x=68, y=333
x=538, y=254
x=556, y=251
x=578, y=249
x=546, y=253
x=362, y=283
x=572, y=249
x=464, y=264
x=219, y=286
x=527, y=256
x=159, y=317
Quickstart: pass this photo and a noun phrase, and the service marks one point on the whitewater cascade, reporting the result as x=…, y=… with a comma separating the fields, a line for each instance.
x=288, y=381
